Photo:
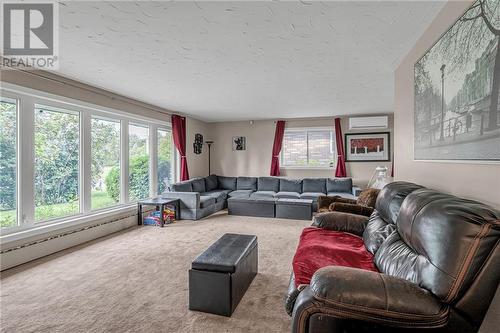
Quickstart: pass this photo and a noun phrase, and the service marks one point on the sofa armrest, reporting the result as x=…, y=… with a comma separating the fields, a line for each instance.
x=340, y=221
x=349, y=293
x=189, y=200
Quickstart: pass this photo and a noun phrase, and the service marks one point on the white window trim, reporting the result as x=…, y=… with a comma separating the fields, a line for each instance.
x=307, y=167
x=25, y=203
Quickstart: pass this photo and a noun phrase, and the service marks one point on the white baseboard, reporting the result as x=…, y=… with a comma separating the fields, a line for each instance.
x=23, y=254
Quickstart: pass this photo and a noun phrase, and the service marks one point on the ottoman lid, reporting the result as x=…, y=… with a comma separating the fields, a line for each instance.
x=226, y=253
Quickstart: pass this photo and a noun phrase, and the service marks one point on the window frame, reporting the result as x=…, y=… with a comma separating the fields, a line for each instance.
x=26, y=99
x=18, y=215
x=307, y=130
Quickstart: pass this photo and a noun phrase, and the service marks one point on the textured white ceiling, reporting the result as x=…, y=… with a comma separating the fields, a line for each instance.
x=244, y=60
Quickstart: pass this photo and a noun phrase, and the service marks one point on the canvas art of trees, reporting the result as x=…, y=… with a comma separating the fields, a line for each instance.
x=457, y=84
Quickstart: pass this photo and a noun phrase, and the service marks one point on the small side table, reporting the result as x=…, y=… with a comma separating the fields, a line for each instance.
x=160, y=204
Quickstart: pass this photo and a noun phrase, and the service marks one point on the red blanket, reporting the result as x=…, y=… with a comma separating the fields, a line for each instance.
x=320, y=247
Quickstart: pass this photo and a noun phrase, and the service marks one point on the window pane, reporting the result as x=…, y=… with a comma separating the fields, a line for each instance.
x=138, y=162
x=320, y=148
x=105, y=163
x=294, y=150
x=8, y=161
x=164, y=160
x=57, y=152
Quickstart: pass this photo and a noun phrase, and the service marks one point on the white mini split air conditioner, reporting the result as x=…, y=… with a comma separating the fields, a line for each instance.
x=377, y=122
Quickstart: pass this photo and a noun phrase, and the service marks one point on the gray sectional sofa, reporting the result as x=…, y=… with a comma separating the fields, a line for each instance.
x=201, y=197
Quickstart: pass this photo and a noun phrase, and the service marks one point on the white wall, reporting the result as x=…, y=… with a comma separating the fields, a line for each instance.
x=475, y=181
x=256, y=159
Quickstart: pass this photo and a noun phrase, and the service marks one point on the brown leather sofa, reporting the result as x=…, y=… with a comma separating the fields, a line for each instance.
x=438, y=259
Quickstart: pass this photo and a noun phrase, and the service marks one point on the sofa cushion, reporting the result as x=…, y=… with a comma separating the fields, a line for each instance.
x=226, y=183
x=341, y=194
x=198, y=185
x=311, y=195
x=185, y=186
x=246, y=183
x=321, y=247
x=263, y=194
x=314, y=185
x=219, y=195
x=291, y=185
x=339, y=185
x=211, y=183
x=288, y=195
x=240, y=194
x=268, y=184
x=206, y=201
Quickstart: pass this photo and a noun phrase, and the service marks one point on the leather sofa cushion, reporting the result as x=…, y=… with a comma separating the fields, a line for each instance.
x=339, y=185
x=391, y=197
x=246, y=183
x=226, y=183
x=317, y=185
x=211, y=183
x=311, y=195
x=376, y=232
x=225, y=254
x=185, y=186
x=198, y=185
x=441, y=243
x=263, y=194
x=320, y=248
x=289, y=195
x=291, y=185
x=240, y=193
x=206, y=201
x=268, y=184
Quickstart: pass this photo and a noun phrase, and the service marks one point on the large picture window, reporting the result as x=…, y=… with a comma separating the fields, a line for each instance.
x=64, y=161
x=8, y=162
x=105, y=163
x=308, y=148
x=57, y=155
x=138, y=162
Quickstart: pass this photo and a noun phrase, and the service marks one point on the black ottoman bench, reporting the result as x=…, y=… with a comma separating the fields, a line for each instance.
x=221, y=275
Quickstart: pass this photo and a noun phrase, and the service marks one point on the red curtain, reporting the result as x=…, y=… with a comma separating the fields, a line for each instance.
x=179, y=135
x=278, y=141
x=341, y=170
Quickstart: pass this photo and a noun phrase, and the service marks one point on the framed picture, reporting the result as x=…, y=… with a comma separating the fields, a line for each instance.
x=456, y=104
x=239, y=143
x=367, y=147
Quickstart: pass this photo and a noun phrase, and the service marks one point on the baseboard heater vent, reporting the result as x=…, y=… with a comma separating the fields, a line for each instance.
x=65, y=234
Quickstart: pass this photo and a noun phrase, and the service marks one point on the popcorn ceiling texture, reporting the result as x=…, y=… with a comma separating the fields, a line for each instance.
x=242, y=60
x=136, y=281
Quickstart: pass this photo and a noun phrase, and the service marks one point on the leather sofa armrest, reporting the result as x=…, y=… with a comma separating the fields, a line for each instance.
x=347, y=293
x=190, y=200
x=340, y=221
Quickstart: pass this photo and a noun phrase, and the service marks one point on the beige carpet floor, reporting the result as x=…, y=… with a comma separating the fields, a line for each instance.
x=137, y=281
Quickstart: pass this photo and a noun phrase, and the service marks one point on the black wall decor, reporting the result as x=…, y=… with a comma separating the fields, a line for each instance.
x=198, y=143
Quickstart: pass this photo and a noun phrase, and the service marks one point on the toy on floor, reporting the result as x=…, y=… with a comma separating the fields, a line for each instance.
x=153, y=218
